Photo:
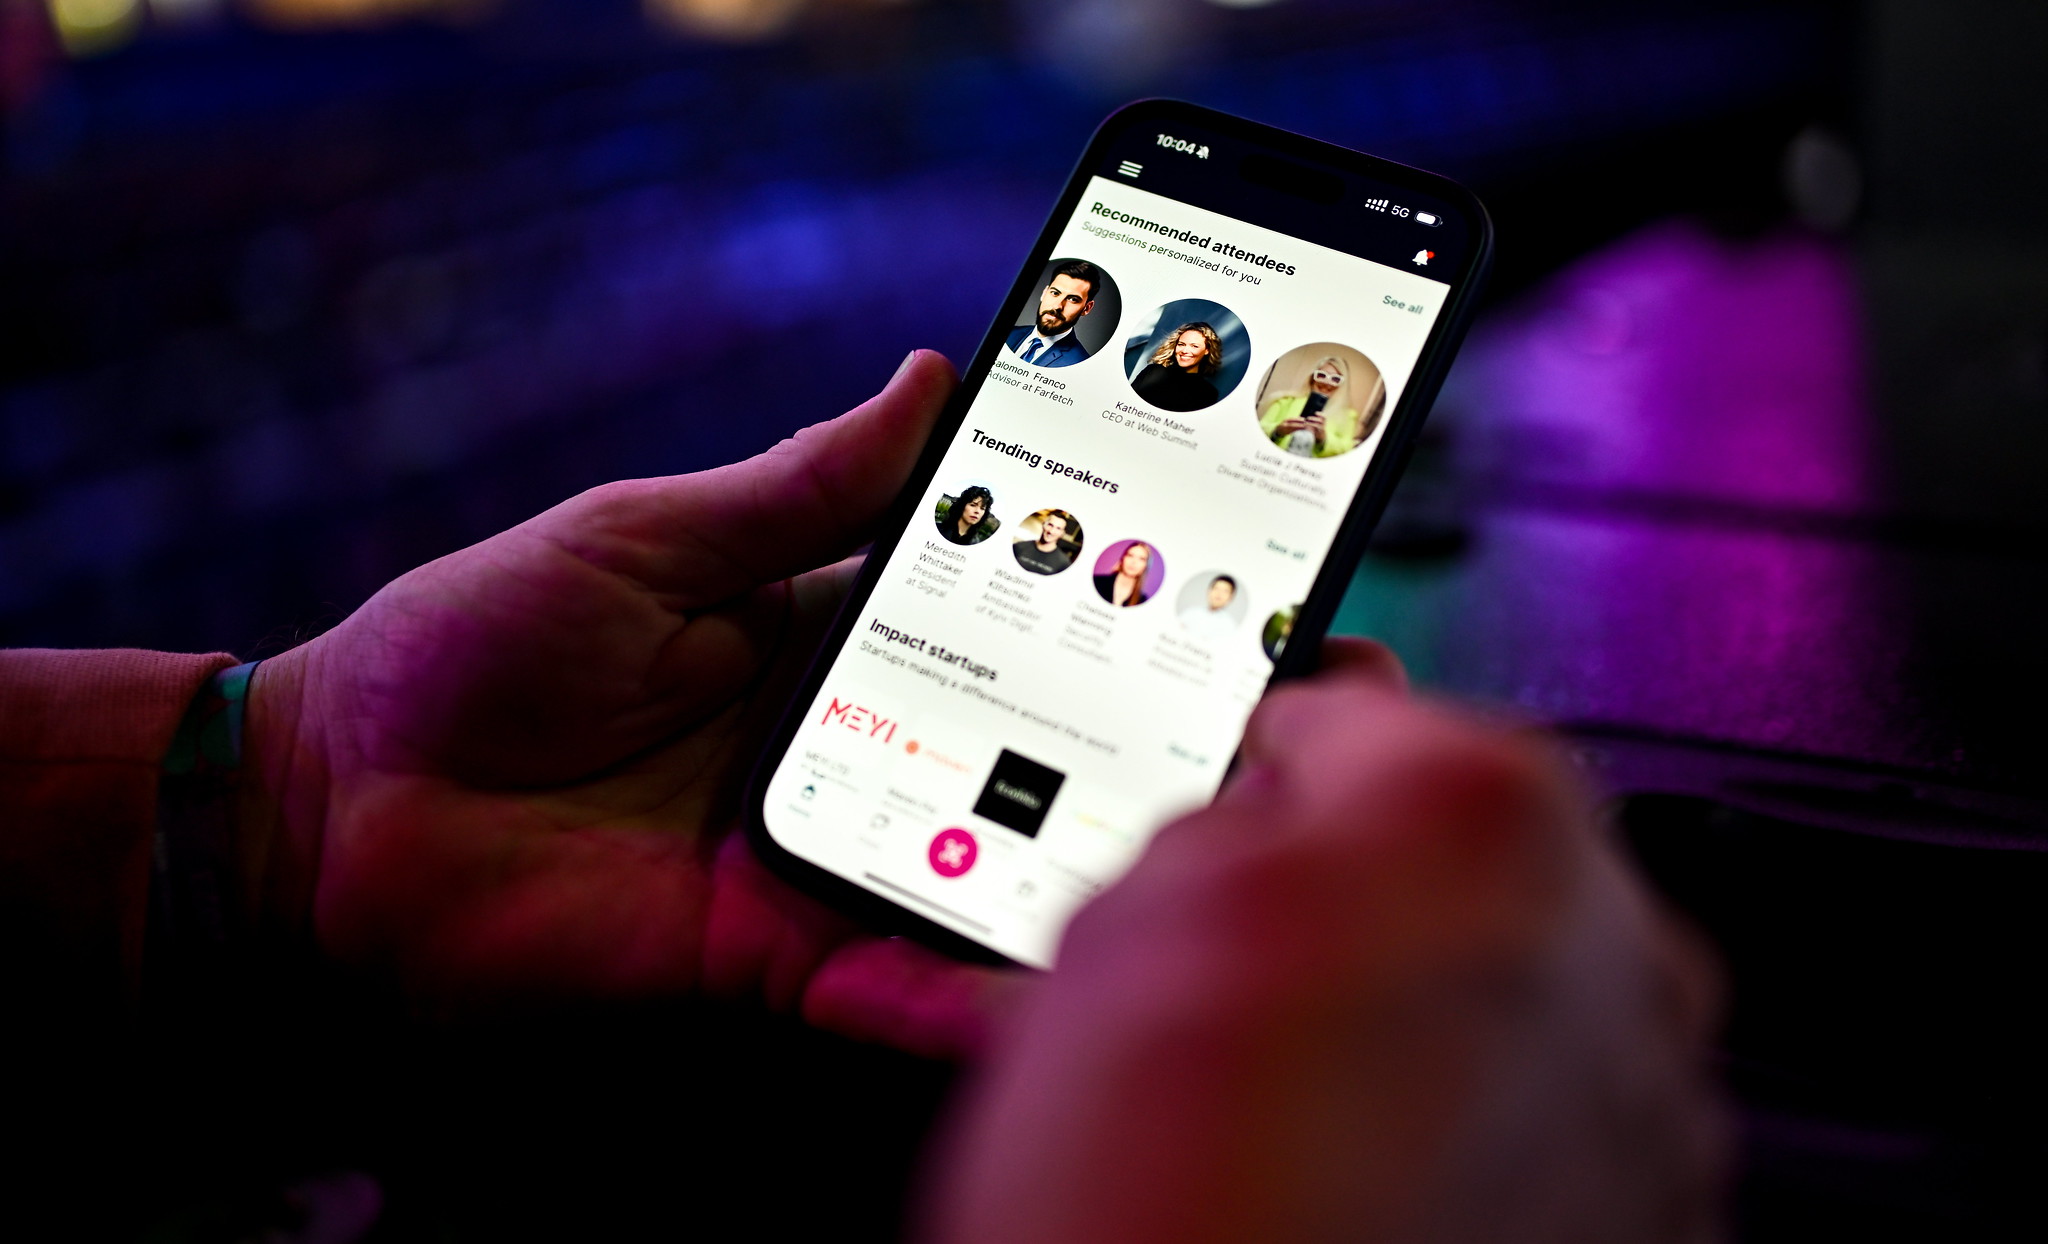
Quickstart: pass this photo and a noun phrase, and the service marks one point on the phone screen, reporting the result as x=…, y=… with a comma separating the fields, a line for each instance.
x=1060, y=653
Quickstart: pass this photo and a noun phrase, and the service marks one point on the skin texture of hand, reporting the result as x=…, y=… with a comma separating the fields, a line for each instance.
x=514, y=774
x=1393, y=986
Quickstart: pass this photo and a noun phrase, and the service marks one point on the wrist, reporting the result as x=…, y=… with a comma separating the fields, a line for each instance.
x=197, y=924
x=282, y=801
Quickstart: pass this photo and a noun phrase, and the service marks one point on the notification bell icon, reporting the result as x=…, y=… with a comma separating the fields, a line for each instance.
x=1422, y=258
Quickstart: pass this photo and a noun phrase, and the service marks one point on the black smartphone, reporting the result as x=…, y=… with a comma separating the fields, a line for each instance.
x=1141, y=508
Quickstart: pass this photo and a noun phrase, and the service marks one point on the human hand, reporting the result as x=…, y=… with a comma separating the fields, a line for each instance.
x=1391, y=985
x=514, y=773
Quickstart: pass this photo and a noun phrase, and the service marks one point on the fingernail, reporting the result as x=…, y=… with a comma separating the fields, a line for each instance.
x=902, y=367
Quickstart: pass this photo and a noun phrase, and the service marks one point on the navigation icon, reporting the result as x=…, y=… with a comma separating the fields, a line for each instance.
x=953, y=852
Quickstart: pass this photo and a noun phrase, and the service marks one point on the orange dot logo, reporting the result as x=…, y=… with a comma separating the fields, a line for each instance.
x=911, y=747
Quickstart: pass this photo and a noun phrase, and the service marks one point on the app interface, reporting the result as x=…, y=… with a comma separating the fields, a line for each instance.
x=1064, y=649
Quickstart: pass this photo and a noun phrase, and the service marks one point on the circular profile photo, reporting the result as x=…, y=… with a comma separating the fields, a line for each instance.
x=967, y=516
x=1189, y=355
x=1273, y=636
x=1050, y=542
x=1129, y=572
x=1321, y=400
x=1071, y=315
x=1211, y=605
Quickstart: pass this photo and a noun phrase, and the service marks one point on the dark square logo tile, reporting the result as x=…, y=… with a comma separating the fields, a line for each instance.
x=1019, y=793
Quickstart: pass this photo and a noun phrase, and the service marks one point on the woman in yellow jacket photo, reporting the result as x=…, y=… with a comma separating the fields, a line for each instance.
x=1328, y=408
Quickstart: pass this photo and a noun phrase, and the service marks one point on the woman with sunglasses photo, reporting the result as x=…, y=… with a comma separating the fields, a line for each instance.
x=1328, y=412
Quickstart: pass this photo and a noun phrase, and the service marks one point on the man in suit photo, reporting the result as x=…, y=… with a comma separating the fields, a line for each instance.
x=1069, y=295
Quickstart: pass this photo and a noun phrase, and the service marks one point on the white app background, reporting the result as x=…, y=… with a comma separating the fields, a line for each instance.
x=1139, y=713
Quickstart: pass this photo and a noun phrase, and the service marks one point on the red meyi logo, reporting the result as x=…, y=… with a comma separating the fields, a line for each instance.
x=860, y=720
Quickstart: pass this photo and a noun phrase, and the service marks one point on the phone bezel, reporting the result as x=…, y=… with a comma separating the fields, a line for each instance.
x=1300, y=656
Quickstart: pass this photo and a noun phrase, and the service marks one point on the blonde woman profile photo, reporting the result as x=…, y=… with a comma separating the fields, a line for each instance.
x=1188, y=354
x=1178, y=375
x=1321, y=400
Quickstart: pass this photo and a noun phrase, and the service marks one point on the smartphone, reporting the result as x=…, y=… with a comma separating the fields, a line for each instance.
x=1139, y=510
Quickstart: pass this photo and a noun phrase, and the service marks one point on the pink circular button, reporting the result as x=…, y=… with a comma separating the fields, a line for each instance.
x=953, y=852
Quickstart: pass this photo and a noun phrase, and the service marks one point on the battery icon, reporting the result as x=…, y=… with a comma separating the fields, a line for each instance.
x=1428, y=218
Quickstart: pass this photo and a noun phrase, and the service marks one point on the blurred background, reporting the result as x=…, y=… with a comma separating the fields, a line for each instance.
x=1738, y=482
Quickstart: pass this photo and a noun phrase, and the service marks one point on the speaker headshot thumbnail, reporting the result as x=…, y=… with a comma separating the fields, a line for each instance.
x=1129, y=573
x=1051, y=541
x=1188, y=356
x=968, y=518
x=1321, y=400
x=1273, y=636
x=1211, y=605
x=1073, y=316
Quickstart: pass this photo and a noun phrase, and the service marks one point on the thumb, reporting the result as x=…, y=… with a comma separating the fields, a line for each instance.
x=807, y=502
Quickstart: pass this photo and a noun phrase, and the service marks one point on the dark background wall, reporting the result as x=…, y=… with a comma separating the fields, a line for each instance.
x=289, y=312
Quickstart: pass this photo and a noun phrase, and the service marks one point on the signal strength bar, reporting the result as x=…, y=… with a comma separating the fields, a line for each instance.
x=1378, y=205
x=1129, y=169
